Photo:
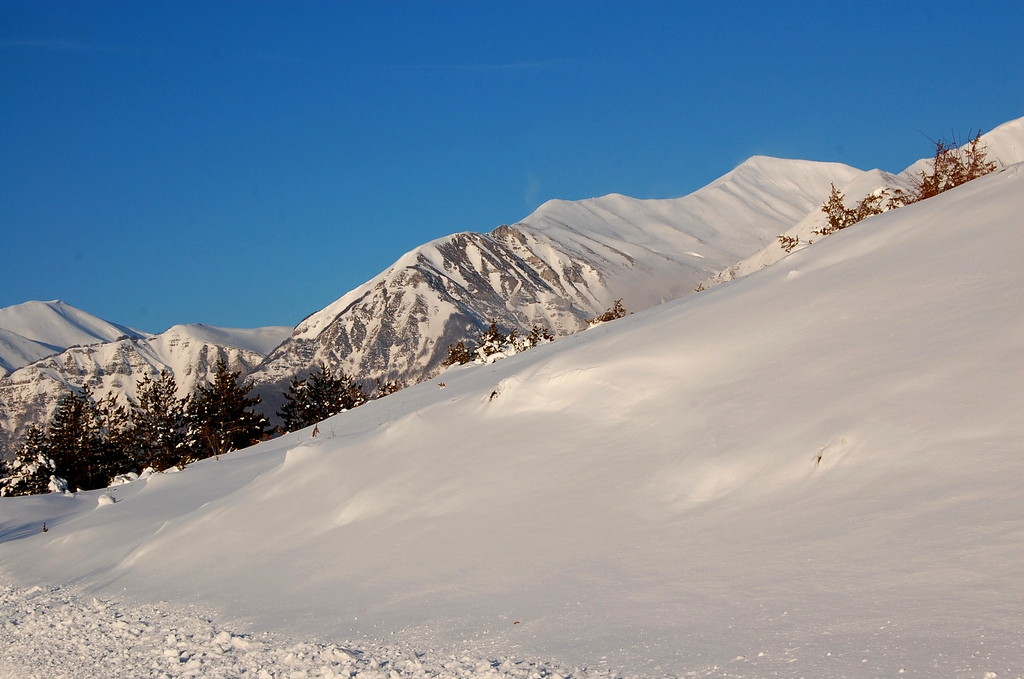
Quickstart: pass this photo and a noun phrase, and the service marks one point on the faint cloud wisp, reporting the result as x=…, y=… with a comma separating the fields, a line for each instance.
x=532, y=191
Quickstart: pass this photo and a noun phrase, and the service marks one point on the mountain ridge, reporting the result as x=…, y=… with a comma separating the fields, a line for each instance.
x=564, y=263
x=558, y=267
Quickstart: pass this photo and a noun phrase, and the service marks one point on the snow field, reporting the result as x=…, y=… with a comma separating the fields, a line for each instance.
x=56, y=633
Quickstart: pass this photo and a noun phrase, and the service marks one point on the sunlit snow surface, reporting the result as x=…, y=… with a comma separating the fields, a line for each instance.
x=813, y=471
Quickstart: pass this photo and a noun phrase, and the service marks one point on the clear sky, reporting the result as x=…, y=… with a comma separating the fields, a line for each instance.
x=244, y=164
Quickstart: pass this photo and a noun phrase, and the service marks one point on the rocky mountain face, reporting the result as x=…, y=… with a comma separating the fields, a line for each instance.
x=30, y=394
x=557, y=268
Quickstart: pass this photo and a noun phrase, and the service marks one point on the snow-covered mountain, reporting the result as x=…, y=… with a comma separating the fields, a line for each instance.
x=814, y=470
x=33, y=330
x=17, y=351
x=562, y=265
x=60, y=325
x=30, y=393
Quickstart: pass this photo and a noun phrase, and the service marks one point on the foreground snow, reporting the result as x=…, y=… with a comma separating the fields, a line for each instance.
x=812, y=471
x=51, y=632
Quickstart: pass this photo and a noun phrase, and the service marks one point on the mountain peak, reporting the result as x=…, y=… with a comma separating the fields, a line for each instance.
x=60, y=325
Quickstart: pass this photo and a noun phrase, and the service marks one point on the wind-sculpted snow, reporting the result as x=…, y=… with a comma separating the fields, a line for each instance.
x=563, y=264
x=811, y=471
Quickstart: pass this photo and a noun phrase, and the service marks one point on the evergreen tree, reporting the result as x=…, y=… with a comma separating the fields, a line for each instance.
x=160, y=428
x=221, y=418
x=386, y=388
x=328, y=395
x=318, y=397
x=493, y=341
x=74, y=441
x=115, y=437
x=459, y=353
x=296, y=405
x=33, y=470
x=538, y=335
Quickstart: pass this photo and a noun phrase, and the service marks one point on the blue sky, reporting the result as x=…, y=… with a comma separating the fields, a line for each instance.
x=244, y=164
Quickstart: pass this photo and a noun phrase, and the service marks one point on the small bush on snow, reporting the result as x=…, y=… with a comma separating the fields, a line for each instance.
x=494, y=344
x=614, y=312
x=954, y=164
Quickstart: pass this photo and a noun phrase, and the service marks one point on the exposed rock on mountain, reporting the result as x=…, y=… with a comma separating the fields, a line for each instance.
x=563, y=264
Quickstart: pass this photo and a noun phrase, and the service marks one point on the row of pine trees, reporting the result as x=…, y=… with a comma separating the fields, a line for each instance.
x=89, y=441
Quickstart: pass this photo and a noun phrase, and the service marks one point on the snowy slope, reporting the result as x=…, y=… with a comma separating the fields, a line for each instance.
x=563, y=264
x=1005, y=145
x=811, y=471
x=60, y=325
x=17, y=351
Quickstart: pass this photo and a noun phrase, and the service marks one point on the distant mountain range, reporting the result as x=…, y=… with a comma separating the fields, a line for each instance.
x=49, y=347
x=562, y=265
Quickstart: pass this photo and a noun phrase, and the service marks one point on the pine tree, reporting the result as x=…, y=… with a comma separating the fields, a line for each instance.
x=318, y=397
x=74, y=441
x=221, y=418
x=115, y=437
x=329, y=395
x=538, y=335
x=459, y=353
x=33, y=470
x=296, y=404
x=492, y=341
x=160, y=428
x=387, y=387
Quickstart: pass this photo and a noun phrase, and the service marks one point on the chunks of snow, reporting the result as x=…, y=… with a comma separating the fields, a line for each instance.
x=44, y=629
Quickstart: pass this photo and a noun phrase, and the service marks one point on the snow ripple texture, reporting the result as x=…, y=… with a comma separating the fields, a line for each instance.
x=55, y=633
